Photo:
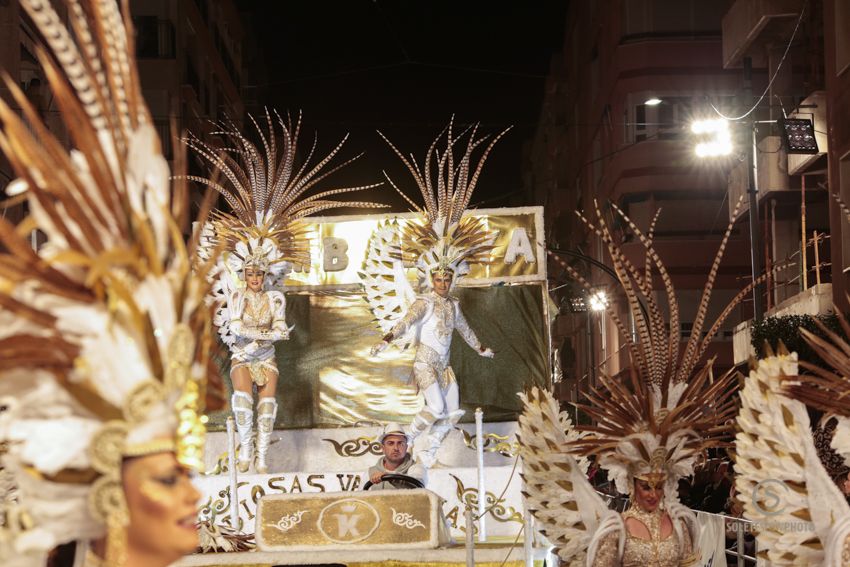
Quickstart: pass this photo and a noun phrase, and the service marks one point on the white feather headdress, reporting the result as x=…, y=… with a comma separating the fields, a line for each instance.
x=445, y=241
x=104, y=334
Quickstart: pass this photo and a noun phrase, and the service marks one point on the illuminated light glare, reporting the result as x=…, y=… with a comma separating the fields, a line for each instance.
x=719, y=141
x=598, y=301
x=654, y=101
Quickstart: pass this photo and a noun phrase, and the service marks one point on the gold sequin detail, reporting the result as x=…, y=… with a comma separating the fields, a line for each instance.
x=444, y=313
x=429, y=367
x=638, y=552
x=257, y=312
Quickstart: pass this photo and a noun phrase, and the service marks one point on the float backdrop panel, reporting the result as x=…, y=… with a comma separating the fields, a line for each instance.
x=338, y=248
x=327, y=377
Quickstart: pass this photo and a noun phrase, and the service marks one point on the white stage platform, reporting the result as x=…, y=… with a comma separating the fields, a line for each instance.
x=336, y=460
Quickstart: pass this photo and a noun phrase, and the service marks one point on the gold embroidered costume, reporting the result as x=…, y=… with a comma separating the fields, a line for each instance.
x=435, y=318
x=673, y=550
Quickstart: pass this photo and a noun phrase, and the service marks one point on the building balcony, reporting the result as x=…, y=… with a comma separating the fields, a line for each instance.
x=773, y=175
x=751, y=24
x=657, y=166
x=817, y=300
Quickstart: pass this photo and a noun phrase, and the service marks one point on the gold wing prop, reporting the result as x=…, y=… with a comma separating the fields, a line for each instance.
x=388, y=291
x=555, y=484
x=784, y=488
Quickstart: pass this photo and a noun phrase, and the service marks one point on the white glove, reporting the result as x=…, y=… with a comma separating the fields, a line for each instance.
x=378, y=348
x=487, y=353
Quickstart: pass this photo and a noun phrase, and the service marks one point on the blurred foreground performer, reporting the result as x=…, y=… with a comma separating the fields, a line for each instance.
x=269, y=191
x=442, y=245
x=650, y=427
x=104, y=332
x=782, y=481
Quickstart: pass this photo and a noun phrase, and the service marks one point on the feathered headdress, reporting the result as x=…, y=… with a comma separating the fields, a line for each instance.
x=654, y=424
x=264, y=189
x=445, y=241
x=104, y=334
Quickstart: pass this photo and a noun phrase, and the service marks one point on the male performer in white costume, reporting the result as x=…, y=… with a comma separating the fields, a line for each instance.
x=435, y=314
x=442, y=243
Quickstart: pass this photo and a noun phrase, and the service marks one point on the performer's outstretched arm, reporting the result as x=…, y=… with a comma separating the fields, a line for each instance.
x=414, y=314
x=468, y=335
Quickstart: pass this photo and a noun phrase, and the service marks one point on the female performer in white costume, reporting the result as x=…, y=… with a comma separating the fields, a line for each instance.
x=648, y=429
x=442, y=245
x=263, y=238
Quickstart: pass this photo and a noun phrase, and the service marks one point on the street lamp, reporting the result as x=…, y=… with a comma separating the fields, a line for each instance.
x=716, y=141
x=715, y=138
x=598, y=301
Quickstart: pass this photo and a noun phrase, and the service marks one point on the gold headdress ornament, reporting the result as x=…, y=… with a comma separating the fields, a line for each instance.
x=445, y=241
x=104, y=334
x=265, y=190
x=653, y=424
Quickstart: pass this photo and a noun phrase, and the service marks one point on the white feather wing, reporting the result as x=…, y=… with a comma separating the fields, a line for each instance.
x=555, y=483
x=387, y=289
x=781, y=482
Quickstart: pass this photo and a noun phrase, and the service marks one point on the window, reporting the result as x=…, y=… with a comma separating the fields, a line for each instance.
x=192, y=78
x=648, y=18
x=844, y=192
x=665, y=121
x=154, y=38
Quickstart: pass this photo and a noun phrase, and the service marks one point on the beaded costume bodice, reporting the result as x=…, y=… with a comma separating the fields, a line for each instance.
x=657, y=551
x=257, y=313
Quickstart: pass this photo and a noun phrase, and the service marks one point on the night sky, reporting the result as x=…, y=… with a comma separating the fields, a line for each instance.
x=404, y=68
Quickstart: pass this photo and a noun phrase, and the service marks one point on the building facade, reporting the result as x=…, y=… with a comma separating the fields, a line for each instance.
x=614, y=128
x=190, y=61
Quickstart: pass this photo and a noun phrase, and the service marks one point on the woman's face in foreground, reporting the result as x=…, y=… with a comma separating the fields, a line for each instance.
x=163, y=505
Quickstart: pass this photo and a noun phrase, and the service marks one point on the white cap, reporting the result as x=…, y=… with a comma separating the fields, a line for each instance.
x=392, y=429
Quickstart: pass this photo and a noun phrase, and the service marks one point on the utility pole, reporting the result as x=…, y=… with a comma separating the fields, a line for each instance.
x=756, y=259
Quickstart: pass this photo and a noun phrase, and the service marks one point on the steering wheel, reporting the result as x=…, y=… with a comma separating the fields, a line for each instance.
x=403, y=478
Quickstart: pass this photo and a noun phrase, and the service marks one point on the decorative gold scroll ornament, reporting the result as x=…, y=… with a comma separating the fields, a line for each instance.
x=493, y=443
x=356, y=447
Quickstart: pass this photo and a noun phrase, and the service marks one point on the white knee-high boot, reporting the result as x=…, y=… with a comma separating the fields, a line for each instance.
x=422, y=421
x=266, y=413
x=242, y=405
